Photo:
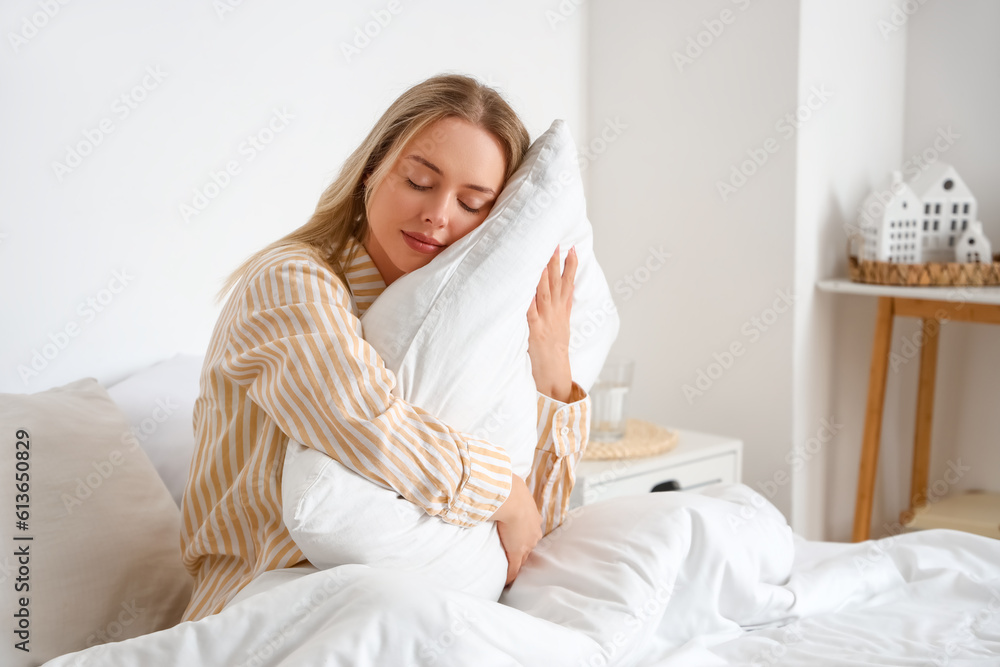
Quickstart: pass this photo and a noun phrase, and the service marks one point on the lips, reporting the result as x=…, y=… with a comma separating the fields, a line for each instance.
x=423, y=239
x=421, y=243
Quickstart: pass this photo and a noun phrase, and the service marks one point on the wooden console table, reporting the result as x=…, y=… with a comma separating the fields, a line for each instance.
x=932, y=305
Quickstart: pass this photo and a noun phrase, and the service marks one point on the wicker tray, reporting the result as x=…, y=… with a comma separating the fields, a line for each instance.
x=926, y=274
x=641, y=439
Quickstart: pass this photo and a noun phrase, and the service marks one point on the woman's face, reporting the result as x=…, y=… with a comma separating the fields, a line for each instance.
x=442, y=187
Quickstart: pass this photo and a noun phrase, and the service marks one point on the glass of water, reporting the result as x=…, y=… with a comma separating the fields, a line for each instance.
x=608, y=398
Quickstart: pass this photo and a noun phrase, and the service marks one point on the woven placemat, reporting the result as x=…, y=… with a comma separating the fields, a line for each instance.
x=641, y=439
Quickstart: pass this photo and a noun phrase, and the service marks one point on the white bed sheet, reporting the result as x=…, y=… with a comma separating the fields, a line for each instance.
x=940, y=617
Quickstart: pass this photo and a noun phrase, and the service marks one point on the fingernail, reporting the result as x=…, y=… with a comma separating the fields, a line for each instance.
x=573, y=250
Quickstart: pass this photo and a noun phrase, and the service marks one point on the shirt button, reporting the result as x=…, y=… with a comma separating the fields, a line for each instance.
x=564, y=430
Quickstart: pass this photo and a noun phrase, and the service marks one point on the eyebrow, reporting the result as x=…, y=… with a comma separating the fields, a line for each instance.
x=433, y=167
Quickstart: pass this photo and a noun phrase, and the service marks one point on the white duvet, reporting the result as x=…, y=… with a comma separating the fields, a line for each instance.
x=663, y=579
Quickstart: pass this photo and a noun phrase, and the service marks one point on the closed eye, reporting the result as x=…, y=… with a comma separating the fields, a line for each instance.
x=422, y=188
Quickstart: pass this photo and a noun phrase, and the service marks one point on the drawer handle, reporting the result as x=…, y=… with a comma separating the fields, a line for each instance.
x=669, y=485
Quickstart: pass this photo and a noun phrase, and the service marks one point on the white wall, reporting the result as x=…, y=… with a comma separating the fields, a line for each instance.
x=61, y=241
x=848, y=147
x=655, y=186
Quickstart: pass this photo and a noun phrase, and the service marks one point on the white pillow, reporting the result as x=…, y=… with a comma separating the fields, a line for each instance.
x=104, y=559
x=455, y=333
x=159, y=404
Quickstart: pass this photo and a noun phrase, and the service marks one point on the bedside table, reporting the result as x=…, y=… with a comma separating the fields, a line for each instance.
x=933, y=305
x=698, y=460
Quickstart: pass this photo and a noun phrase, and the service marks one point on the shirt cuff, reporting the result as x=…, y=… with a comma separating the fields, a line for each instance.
x=570, y=422
x=486, y=487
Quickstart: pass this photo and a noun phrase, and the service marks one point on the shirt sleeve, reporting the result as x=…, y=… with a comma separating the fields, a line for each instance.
x=563, y=430
x=297, y=346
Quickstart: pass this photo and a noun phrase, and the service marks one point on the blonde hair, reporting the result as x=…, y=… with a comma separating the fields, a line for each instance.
x=341, y=214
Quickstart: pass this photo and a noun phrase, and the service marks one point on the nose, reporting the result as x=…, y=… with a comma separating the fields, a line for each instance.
x=436, y=209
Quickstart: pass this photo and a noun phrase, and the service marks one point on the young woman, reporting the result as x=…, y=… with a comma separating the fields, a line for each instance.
x=287, y=358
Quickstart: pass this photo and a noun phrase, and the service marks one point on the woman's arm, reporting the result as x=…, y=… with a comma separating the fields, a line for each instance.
x=297, y=347
x=563, y=407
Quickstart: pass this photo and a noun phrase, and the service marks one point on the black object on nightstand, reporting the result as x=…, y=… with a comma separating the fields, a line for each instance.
x=669, y=485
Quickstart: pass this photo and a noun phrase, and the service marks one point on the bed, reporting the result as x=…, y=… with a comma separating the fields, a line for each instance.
x=92, y=569
x=682, y=578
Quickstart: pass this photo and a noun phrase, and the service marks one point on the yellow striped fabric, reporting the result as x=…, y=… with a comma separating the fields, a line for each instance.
x=287, y=360
x=563, y=429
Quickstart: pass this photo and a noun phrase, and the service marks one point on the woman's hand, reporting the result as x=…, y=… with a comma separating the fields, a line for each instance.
x=519, y=525
x=548, y=328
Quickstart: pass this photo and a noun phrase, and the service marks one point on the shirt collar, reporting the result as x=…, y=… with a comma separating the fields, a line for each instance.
x=363, y=278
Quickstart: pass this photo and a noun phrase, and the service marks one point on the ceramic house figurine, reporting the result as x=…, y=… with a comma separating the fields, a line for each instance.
x=948, y=207
x=893, y=236
x=973, y=246
x=921, y=220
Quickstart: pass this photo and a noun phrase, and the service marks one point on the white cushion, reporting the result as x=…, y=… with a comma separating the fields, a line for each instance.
x=104, y=560
x=455, y=333
x=159, y=404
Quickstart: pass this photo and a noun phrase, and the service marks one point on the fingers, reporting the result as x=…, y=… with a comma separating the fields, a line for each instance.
x=569, y=271
x=555, y=282
x=543, y=292
x=513, y=562
x=559, y=284
x=512, y=570
x=514, y=565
